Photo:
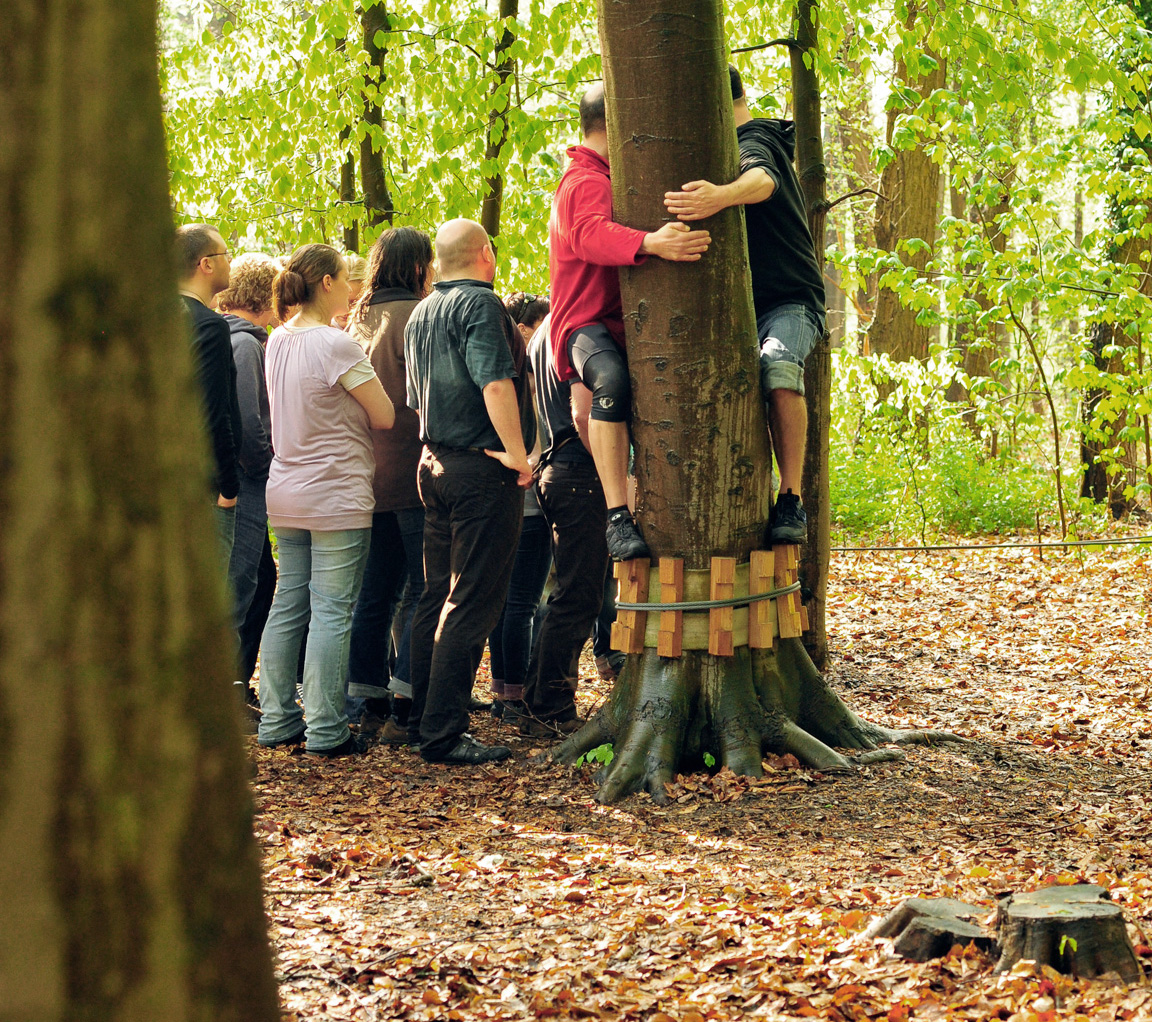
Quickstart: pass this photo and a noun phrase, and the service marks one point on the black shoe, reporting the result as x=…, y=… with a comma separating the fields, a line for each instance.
x=515, y=710
x=533, y=728
x=296, y=739
x=353, y=745
x=469, y=752
x=624, y=540
x=789, y=522
x=476, y=705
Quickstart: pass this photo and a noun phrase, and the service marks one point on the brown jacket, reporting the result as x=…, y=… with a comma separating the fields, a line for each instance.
x=381, y=332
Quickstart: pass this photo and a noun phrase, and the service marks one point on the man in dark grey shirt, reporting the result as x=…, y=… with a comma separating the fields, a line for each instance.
x=572, y=500
x=464, y=362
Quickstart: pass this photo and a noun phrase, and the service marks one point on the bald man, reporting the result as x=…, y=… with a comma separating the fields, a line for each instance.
x=465, y=362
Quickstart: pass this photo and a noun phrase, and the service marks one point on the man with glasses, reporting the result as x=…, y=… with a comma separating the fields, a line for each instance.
x=203, y=264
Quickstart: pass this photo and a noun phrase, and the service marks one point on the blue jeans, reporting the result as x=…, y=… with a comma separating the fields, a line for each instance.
x=225, y=518
x=320, y=576
x=787, y=335
x=510, y=643
x=396, y=556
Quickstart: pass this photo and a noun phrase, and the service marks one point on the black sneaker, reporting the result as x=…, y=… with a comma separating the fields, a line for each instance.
x=789, y=522
x=476, y=705
x=353, y=745
x=280, y=743
x=469, y=752
x=624, y=540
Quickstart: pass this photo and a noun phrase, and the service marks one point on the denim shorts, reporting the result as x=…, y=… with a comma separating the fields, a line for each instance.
x=787, y=334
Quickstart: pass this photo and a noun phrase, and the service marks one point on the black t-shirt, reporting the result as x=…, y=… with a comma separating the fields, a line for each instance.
x=553, y=402
x=780, y=251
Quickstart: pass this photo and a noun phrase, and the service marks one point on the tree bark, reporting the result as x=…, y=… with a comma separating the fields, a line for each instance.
x=348, y=195
x=815, y=555
x=498, y=122
x=378, y=208
x=128, y=871
x=702, y=450
x=910, y=190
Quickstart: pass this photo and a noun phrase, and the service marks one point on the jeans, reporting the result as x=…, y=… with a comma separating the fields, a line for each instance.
x=320, y=576
x=395, y=556
x=511, y=641
x=473, y=511
x=252, y=627
x=787, y=335
x=225, y=533
x=573, y=502
x=244, y=566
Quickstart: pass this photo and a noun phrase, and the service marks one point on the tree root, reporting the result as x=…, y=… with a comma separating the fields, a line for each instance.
x=665, y=714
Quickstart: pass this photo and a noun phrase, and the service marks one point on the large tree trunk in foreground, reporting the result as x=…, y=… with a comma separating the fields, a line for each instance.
x=698, y=421
x=129, y=877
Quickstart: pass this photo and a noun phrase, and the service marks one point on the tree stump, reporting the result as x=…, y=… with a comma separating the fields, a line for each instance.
x=1074, y=929
x=927, y=928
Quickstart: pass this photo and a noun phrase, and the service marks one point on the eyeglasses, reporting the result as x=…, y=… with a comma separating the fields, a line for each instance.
x=213, y=255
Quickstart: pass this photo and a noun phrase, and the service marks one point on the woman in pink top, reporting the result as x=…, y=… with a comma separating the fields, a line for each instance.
x=324, y=398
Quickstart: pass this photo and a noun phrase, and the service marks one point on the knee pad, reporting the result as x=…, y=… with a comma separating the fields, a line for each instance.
x=606, y=375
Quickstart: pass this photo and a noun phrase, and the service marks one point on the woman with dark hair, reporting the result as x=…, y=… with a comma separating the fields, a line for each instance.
x=399, y=276
x=510, y=643
x=325, y=401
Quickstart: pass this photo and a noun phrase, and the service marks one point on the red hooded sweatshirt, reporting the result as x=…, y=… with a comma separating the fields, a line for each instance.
x=585, y=248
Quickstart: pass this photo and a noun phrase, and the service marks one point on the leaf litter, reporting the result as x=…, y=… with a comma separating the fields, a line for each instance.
x=397, y=889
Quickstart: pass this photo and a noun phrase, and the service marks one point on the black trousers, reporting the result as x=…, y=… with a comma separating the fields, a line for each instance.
x=473, y=510
x=573, y=503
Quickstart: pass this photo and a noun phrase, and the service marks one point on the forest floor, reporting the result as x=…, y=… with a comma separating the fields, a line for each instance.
x=401, y=890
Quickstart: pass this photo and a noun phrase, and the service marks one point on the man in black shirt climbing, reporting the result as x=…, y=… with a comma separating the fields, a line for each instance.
x=787, y=285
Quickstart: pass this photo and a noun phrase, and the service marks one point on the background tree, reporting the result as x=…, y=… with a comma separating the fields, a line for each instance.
x=128, y=868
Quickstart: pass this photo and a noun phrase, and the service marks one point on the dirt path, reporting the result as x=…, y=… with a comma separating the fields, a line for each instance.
x=399, y=890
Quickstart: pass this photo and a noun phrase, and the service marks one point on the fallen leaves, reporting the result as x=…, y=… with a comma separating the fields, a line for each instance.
x=398, y=890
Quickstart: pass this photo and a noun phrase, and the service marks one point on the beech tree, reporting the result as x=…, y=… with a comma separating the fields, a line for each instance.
x=128, y=870
x=701, y=440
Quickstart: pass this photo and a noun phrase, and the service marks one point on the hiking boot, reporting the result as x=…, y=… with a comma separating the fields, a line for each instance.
x=391, y=733
x=469, y=752
x=789, y=522
x=371, y=722
x=497, y=708
x=515, y=710
x=624, y=540
x=608, y=667
x=534, y=728
x=296, y=739
x=476, y=705
x=353, y=745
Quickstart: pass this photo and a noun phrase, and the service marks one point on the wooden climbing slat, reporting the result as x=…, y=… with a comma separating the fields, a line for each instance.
x=788, y=608
x=671, y=641
x=723, y=584
x=762, y=614
x=628, y=629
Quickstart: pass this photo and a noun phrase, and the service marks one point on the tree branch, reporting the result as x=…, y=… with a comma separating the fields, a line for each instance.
x=859, y=191
x=784, y=41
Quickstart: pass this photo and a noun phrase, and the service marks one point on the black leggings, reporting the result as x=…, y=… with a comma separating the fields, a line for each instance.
x=601, y=366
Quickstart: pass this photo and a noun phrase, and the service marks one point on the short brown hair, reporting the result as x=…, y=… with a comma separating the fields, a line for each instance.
x=296, y=284
x=249, y=284
x=193, y=243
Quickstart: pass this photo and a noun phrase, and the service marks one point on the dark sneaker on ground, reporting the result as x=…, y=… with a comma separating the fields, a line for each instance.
x=534, y=728
x=608, y=667
x=476, y=705
x=497, y=708
x=296, y=739
x=624, y=540
x=515, y=710
x=469, y=752
x=391, y=733
x=789, y=522
x=353, y=745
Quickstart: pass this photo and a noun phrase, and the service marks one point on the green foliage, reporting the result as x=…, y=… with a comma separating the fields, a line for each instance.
x=602, y=754
x=709, y=759
x=1065, y=940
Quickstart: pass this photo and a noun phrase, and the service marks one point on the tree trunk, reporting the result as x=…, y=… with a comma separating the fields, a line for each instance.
x=373, y=179
x=701, y=441
x=351, y=235
x=910, y=189
x=815, y=555
x=128, y=871
x=498, y=122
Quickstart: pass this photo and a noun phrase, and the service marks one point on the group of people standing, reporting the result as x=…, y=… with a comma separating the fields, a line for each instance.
x=389, y=427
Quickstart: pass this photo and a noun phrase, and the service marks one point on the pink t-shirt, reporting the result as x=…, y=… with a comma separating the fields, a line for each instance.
x=321, y=475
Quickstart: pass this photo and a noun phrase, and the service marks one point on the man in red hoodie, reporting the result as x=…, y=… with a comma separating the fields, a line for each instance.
x=586, y=247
